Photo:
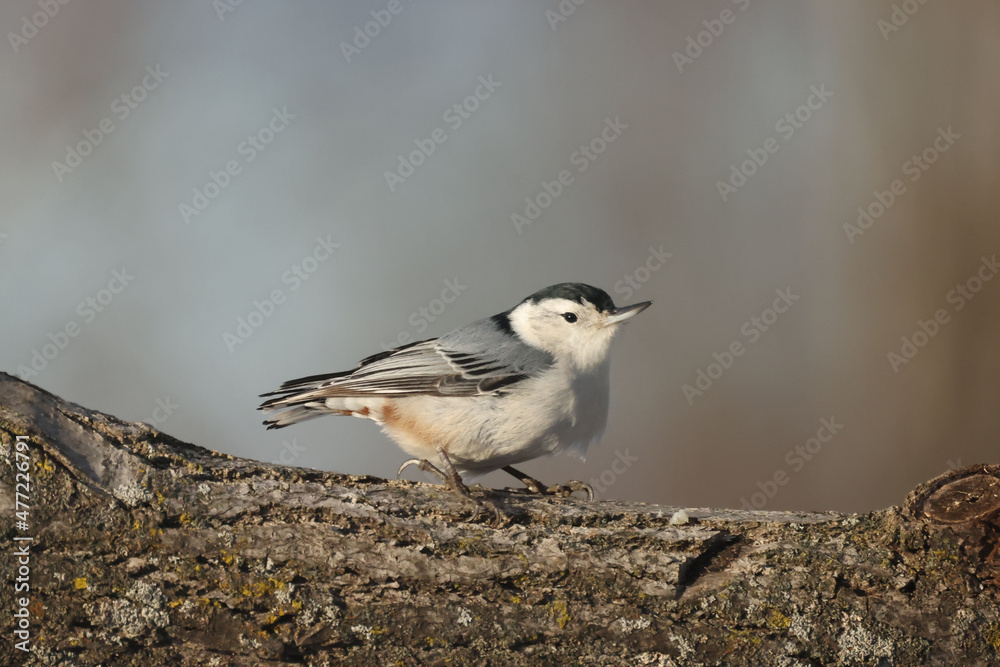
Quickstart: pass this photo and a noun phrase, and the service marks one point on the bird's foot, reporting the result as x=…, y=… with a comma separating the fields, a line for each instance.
x=569, y=488
x=458, y=486
x=424, y=465
x=561, y=490
x=453, y=481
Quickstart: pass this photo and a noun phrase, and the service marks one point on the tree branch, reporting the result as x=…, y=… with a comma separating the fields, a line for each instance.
x=147, y=550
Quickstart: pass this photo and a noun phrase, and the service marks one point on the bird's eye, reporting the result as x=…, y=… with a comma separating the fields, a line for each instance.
x=569, y=317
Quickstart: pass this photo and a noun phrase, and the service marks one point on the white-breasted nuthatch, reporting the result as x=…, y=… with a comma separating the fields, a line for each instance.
x=529, y=381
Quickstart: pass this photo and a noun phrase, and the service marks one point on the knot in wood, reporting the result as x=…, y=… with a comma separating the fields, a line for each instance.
x=966, y=499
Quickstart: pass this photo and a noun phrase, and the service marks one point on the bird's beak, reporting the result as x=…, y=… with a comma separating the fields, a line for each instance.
x=621, y=314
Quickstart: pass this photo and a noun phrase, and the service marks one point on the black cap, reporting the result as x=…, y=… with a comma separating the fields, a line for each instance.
x=576, y=292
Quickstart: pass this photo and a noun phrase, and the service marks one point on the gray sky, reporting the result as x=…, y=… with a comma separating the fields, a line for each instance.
x=200, y=200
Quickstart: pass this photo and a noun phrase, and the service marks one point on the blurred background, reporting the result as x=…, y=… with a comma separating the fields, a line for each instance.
x=200, y=200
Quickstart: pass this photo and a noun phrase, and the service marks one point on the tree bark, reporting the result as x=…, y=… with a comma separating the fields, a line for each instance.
x=150, y=551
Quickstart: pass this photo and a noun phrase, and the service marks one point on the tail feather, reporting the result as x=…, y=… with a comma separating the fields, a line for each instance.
x=297, y=414
x=296, y=395
x=314, y=396
x=308, y=382
x=292, y=394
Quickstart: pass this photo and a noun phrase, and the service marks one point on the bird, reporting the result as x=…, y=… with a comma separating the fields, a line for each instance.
x=530, y=381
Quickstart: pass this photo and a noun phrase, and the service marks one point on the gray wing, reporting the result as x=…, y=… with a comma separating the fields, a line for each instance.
x=482, y=358
x=489, y=352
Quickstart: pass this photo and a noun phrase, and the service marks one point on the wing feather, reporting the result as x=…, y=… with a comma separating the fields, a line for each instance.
x=479, y=359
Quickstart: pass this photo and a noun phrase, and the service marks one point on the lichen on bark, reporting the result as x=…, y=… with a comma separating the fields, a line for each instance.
x=148, y=550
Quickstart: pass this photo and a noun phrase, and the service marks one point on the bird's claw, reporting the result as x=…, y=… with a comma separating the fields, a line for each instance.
x=566, y=490
x=454, y=483
x=485, y=503
x=424, y=465
x=534, y=486
x=560, y=490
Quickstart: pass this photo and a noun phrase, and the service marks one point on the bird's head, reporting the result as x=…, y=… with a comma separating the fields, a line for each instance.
x=573, y=322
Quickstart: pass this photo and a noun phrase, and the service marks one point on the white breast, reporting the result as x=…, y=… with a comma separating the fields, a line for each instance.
x=557, y=412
